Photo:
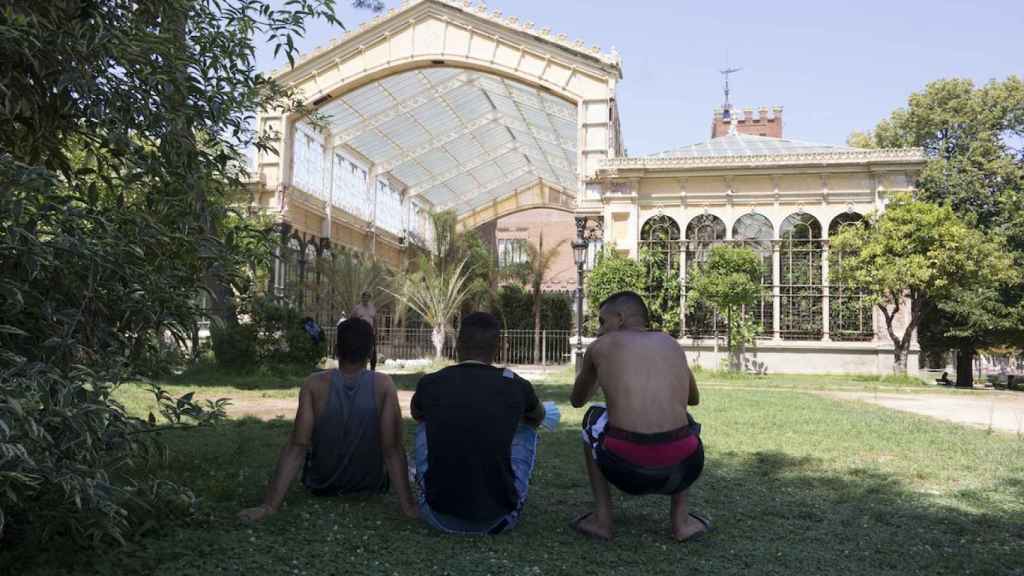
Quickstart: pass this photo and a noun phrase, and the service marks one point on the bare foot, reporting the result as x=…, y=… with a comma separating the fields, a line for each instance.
x=695, y=527
x=589, y=526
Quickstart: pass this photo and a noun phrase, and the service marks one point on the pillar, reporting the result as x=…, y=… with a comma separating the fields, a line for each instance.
x=825, y=314
x=776, y=292
x=682, y=281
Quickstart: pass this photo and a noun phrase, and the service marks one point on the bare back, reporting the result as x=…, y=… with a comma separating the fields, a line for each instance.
x=645, y=379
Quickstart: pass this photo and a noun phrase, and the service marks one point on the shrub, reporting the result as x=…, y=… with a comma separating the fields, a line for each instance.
x=281, y=337
x=613, y=272
x=273, y=336
x=235, y=346
x=515, y=308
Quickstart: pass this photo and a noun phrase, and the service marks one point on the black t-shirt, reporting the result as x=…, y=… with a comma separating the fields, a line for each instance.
x=471, y=412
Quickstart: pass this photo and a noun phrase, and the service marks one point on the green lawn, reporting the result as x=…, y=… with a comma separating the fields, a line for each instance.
x=795, y=483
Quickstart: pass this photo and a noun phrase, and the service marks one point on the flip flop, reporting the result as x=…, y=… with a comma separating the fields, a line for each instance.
x=697, y=536
x=575, y=526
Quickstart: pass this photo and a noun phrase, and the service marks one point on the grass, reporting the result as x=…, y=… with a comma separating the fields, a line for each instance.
x=796, y=484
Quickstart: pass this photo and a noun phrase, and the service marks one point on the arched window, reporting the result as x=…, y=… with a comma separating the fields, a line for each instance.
x=756, y=232
x=843, y=220
x=660, y=235
x=660, y=249
x=702, y=233
x=850, y=312
x=800, y=278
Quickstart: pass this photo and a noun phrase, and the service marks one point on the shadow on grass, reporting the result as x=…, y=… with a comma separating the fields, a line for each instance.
x=774, y=514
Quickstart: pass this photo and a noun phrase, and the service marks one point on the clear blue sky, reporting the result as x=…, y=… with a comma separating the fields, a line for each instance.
x=834, y=66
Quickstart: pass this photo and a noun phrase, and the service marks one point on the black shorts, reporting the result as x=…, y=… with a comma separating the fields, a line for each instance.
x=632, y=478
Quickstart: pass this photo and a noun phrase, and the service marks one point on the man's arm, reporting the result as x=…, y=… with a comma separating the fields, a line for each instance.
x=414, y=404
x=290, y=460
x=586, y=380
x=534, y=416
x=693, y=398
x=392, y=447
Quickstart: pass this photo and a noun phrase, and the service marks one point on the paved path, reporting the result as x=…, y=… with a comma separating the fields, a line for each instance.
x=983, y=409
x=271, y=408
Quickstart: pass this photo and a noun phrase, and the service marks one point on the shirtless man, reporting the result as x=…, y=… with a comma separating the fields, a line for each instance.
x=365, y=309
x=347, y=436
x=645, y=441
x=368, y=312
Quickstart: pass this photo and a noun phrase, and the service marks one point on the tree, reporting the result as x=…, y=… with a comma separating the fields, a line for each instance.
x=442, y=283
x=122, y=150
x=915, y=252
x=971, y=136
x=729, y=281
x=613, y=272
x=437, y=295
x=484, y=276
x=344, y=277
x=662, y=289
x=538, y=264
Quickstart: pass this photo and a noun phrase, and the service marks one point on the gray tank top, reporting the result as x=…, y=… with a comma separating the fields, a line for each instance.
x=346, y=455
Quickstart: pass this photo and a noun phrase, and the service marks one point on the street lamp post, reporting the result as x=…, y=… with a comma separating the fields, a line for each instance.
x=579, y=254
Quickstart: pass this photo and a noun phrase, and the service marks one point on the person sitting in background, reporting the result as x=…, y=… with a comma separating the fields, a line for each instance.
x=476, y=441
x=347, y=436
x=644, y=441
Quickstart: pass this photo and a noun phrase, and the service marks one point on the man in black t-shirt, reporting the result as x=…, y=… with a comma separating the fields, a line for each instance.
x=477, y=441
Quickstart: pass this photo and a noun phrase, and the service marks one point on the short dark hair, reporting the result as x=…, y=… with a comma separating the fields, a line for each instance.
x=478, y=336
x=630, y=301
x=353, y=341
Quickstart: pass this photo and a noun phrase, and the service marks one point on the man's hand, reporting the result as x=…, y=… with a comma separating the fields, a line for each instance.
x=586, y=380
x=256, y=514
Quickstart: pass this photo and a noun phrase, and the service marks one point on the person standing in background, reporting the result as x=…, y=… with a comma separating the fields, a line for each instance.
x=366, y=311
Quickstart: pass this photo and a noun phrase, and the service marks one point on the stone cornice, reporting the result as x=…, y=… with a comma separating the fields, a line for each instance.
x=611, y=167
x=305, y=63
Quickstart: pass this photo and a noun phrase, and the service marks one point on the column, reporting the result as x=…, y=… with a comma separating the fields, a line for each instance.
x=776, y=291
x=684, y=246
x=825, y=314
x=326, y=230
x=302, y=275
x=371, y=181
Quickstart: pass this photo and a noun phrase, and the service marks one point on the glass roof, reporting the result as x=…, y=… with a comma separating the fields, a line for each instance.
x=460, y=138
x=749, y=145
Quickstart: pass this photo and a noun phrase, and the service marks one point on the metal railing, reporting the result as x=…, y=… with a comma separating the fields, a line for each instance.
x=514, y=346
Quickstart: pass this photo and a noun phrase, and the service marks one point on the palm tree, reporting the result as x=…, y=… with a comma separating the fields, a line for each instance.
x=436, y=294
x=345, y=278
x=538, y=264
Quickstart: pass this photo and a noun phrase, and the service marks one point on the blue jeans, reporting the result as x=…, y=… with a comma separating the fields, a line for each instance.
x=524, y=456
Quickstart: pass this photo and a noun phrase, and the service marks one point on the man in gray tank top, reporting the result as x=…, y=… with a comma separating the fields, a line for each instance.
x=347, y=436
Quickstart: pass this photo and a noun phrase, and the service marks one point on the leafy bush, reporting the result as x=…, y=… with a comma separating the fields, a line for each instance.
x=235, y=346
x=729, y=280
x=515, y=308
x=662, y=290
x=273, y=336
x=124, y=126
x=613, y=272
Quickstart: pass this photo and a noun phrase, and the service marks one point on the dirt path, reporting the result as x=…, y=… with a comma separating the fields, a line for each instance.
x=271, y=408
x=985, y=409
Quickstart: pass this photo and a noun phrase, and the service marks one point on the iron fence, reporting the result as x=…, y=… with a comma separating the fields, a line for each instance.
x=514, y=346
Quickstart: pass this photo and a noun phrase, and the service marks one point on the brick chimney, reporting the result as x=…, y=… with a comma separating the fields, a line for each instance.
x=761, y=125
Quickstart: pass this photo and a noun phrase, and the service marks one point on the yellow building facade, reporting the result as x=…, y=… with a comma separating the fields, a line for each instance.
x=448, y=105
